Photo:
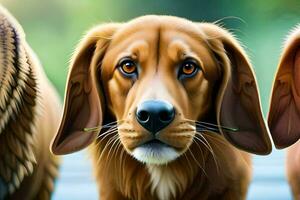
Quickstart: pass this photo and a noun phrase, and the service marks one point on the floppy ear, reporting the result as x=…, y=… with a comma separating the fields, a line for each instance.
x=284, y=113
x=83, y=106
x=238, y=102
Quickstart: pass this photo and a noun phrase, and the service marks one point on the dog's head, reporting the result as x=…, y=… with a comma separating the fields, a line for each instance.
x=284, y=113
x=161, y=78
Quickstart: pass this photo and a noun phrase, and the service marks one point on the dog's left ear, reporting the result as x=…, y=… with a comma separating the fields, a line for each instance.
x=238, y=102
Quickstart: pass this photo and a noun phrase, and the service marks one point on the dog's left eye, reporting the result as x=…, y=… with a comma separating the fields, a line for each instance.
x=128, y=67
x=188, y=68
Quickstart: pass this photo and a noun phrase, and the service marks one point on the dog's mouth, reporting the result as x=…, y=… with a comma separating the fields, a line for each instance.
x=154, y=143
x=155, y=152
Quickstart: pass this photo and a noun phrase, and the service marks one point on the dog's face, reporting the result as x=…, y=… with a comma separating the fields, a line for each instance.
x=156, y=78
x=159, y=77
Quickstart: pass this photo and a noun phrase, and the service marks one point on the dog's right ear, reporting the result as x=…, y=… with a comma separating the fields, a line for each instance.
x=284, y=114
x=83, y=106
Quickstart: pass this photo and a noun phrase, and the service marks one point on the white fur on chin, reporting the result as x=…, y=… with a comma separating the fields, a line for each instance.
x=155, y=155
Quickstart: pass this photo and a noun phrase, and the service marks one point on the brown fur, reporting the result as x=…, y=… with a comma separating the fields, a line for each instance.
x=224, y=92
x=29, y=114
x=284, y=118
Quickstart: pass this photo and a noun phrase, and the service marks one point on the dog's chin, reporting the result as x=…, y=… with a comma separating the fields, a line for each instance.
x=156, y=153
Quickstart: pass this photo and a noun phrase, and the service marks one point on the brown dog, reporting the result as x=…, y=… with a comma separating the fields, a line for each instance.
x=284, y=114
x=155, y=82
x=29, y=116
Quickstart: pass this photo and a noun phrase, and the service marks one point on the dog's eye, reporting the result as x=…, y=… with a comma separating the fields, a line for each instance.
x=188, y=68
x=128, y=67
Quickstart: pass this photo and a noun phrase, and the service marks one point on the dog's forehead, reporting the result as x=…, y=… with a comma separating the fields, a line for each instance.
x=149, y=27
x=149, y=34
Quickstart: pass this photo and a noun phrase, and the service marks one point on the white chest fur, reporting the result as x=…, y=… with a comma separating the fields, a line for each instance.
x=163, y=182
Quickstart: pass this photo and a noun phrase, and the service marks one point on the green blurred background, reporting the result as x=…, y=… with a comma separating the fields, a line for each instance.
x=53, y=27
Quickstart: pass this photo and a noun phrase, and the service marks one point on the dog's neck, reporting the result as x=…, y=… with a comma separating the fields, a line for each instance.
x=18, y=99
x=197, y=169
x=186, y=177
x=172, y=180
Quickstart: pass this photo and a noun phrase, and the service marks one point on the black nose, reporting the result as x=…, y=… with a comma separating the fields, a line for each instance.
x=155, y=115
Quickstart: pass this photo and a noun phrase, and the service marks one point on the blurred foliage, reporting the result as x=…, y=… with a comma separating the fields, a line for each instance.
x=53, y=27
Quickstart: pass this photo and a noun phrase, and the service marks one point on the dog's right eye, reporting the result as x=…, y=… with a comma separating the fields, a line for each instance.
x=128, y=67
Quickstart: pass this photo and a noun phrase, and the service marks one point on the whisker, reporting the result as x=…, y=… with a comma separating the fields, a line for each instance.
x=211, y=137
x=188, y=160
x=111, y=127
x=98, y=128
x=199, y=147
x=119, y=145
x=207, y=124
x=218, y=126
x=205, y=128
x=123, y=160
x=112, y=147
x=116, y=150
x=106, y=145
x=210, y=149
x=108, y=158
x=123, y=157
x=115, y=140
x=107, y=132
x=214, y=138
x=206, y=144
x=199, y=165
